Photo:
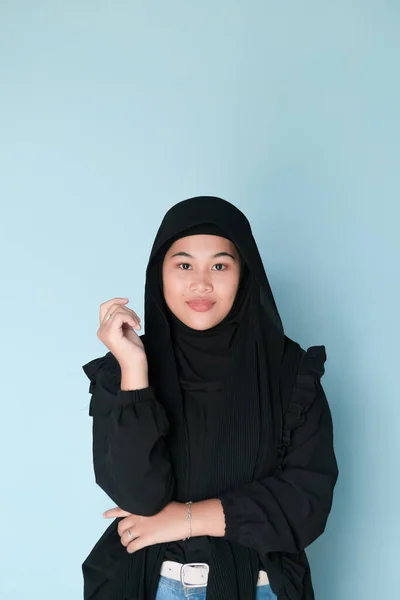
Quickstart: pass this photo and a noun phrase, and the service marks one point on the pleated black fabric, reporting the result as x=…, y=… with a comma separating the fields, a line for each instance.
x=268, y=453
x=205, y=364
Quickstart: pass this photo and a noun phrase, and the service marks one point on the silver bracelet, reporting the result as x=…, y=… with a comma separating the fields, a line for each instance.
x=189, y=518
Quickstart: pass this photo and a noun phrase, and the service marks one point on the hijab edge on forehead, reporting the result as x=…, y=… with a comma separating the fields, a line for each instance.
x=194, y=214
x=203, y=228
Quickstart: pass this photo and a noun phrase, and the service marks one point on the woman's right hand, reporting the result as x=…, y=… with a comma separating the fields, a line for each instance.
x=117, y=332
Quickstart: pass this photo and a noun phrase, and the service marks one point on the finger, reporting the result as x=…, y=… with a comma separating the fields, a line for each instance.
x=110, y=305
x=127, y=539
x=137, y=544
x=114, y=513
x=110, y=312
x=126, y=524
x=132, y=312
x=120, y=318
x=104, y=306
x=121, y=310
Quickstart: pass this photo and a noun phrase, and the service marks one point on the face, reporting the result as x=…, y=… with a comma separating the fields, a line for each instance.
x=201, y=276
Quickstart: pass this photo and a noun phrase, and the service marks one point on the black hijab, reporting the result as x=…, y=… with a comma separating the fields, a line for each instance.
x=249, y=341
x=204, y=358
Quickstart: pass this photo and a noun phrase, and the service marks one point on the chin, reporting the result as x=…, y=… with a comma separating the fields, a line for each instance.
x=202, y=326
x=201, y=322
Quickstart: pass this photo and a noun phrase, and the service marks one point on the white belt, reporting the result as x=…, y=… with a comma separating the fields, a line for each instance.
x=196, y=574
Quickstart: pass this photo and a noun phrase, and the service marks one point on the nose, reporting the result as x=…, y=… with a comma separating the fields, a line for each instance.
x=202, y=284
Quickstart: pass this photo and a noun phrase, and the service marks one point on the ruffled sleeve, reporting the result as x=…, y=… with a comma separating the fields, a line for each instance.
x=103, y=367
x=288, y=510
x=130, y=457
x=105, y=374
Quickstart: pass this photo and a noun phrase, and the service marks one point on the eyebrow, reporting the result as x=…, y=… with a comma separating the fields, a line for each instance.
x=213, y=256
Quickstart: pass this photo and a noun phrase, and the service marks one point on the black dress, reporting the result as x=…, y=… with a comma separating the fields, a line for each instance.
x=278, y=516
x=260, y=439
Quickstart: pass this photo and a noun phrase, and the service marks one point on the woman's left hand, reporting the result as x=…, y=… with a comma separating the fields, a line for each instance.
x=169, y=525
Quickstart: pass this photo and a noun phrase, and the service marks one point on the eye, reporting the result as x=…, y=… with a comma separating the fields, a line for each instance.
x=182, y=265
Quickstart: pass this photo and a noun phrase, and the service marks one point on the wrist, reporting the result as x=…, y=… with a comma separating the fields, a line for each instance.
x=188, y=529
x=198, y=523
x=134, y=377
x=208, y=518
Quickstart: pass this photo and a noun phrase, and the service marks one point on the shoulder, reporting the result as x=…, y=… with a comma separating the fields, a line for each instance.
x=295, y=357
x=301, y=371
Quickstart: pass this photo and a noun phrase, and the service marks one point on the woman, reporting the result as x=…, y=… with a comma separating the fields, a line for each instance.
x=211, y=432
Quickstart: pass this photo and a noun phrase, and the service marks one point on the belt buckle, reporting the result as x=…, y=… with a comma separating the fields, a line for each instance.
x=191, y=585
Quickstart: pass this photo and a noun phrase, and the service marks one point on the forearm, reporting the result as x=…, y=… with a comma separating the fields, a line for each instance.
x=208, y=518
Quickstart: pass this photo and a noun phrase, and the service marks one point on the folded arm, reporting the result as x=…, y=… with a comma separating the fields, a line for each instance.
x=287, y=511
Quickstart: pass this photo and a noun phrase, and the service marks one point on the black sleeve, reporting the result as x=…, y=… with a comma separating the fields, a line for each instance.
x=288, y=510
x=130, y=457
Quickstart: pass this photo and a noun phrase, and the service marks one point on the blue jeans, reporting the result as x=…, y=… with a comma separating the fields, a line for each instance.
x=170, y=589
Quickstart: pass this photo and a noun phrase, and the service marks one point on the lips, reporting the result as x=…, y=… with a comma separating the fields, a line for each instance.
x=201, y=305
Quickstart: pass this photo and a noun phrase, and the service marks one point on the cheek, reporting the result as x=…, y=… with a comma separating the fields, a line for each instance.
x=231, y=283
x=174, y=287
x=226, y=291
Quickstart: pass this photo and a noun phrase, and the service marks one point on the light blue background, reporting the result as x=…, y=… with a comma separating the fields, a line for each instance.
x=111, y=112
